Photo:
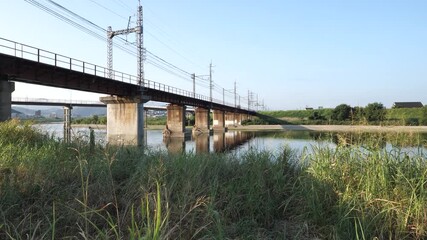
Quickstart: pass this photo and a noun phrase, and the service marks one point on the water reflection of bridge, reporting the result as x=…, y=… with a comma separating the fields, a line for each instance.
x=222, y=142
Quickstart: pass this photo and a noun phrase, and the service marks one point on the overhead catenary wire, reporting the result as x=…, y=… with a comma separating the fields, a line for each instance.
x=108, y=9
x=70, y=17
x=147, y=32
x=97, y=35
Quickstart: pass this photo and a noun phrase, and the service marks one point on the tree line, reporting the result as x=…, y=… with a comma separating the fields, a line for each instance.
x=372, y=113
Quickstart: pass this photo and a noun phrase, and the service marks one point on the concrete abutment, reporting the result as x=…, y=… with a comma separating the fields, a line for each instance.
x=6, y=89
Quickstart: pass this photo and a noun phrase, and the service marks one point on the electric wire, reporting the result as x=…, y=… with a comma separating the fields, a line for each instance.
x=151, y=58
x=108, y=9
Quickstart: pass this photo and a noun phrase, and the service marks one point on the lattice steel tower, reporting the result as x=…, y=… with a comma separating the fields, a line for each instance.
x=139, y=45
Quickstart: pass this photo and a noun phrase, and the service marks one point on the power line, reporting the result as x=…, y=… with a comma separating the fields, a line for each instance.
x=109, y=10
x=152, y=59
x=123, y=4
x=92, y=33
x=75, y=14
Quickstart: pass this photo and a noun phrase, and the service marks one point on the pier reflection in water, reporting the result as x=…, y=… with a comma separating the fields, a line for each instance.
x=175, y=145
x=222, y=142
x=202, y=143
x=242, y=141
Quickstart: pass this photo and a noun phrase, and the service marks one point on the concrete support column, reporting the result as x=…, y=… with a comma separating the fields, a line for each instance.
x=229, y=119
x=243, y=116
x=239, y=118
x=175, y=125
x=201, y=118
x=125, y=119
x=145, y=117
x=67, y=123
x=6, y=89
x=219, y=121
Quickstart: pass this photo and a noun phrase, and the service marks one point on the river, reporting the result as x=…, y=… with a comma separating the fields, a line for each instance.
x=242, y=141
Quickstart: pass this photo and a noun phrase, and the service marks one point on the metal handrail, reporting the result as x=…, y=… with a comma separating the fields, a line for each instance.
x=45, y=100
x=42, y=56
x=67, y=101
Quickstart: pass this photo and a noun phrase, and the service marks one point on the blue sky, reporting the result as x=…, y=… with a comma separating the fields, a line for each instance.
x=292, y=54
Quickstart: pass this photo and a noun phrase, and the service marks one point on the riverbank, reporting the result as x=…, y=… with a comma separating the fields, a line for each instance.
x=103, y=126
x=332, y=128
x=320, y=128
x=94, y=126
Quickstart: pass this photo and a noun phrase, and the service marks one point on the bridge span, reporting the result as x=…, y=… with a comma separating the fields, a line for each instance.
x=125, y=100
x=74, y=103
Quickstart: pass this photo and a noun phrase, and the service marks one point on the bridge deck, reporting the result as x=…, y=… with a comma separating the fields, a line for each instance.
x=31, y=65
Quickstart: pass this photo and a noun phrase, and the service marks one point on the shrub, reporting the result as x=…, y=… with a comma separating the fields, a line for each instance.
x=374, y=112
x=316, y=116
x=412, y=122
x=424, y=117
x=341, y=112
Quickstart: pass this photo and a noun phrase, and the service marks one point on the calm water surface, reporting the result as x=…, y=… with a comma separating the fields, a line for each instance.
x=241, y=141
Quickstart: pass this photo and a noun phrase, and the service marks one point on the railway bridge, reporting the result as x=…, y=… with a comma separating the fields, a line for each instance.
x=125, y=94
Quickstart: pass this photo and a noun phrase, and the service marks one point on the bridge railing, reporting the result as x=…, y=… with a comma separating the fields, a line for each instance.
x=42, y=56
x=45, y=100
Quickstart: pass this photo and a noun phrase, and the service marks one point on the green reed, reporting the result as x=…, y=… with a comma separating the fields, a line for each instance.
x=58, y=190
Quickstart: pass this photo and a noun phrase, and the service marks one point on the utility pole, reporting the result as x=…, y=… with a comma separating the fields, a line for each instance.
x=109, y=52
x=223, y=96
x=249, y=100
x=257, y=104
x=210, y=81
x=235, y=96
x=193, y=76
x=139, y=45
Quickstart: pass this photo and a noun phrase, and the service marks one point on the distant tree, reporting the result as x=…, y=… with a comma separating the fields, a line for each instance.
x=316, y=116
x=341, y=112
x=374, y=112
x=103, y=120
x=95, y=119
x=357, y=114
x=424, y=116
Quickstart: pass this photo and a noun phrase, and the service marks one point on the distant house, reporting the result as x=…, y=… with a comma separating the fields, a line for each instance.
x=407, y=105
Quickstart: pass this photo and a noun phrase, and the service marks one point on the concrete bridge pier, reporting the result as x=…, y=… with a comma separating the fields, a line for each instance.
x=67, y=123
x=239, y=118
x=219, y=121
x=201, y=118
x=175, y=124
x=230, y=119
x=6, y=89
x=125, y=119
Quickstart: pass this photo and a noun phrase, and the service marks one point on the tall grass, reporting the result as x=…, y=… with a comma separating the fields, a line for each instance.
x=369, y=193
x=56, y=190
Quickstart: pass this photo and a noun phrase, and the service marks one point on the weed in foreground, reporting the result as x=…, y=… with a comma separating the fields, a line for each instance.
x=55, y=190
